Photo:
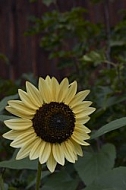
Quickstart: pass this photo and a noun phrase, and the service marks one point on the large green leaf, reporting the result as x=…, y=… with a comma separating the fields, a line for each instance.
x=99, y=187
x=6, y=117
x=60, y=181
x=116, y=124
x=94, y=164
x=95, y=187
x=111, y=180
x=114, y=179
x=4, y=101
x=20, y=164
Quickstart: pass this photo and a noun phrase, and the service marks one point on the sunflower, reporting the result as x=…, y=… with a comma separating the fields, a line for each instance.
x=50, y=122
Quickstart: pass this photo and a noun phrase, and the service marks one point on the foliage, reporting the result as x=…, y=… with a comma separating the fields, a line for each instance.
x=64, y=27
x=115, y=181
x=4, y=58
x=97, y=60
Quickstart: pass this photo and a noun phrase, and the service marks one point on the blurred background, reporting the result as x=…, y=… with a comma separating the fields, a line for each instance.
x=22, y=53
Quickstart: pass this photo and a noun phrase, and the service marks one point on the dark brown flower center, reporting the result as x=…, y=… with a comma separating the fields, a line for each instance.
x=54, y=122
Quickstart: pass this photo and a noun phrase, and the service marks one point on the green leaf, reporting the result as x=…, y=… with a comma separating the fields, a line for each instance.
x=6, y=117
x=112, y=180
x=20, y=164
x=29, y=77
x=60, y=181
x=98, y=187
x=4, y=58
x=117, y=43
x=48, y=2
x=44, y=174
x=116, y=124
x=110, y=101
x=5, y=186
x=95, y=57
x=94, y=164
x=4, y=101
x=95, y=187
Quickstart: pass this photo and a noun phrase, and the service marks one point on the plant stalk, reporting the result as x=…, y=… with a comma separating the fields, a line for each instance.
x=1, y=183
x=38, y=178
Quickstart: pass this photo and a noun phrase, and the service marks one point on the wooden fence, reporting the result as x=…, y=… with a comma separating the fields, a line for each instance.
x=23, y=53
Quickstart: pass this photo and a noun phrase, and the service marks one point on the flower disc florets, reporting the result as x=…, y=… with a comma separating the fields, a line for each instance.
x=54, y=122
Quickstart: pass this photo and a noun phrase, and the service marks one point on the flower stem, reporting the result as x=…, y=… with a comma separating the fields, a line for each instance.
x=38, y=179
x=1, y=183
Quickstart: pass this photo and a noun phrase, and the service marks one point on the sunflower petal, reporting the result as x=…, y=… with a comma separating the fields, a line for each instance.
x=11, y=135
x=58, y=153
x=26, y=100
x=34, y=153
x=77, y=148
x=19, y=106
x=71, y=92
x=81, y=106
x=79, y=140
x=48, y=80
x=45, y=90
x=22, y=139
x=18, y=124
x=85, y=112
x=24, y=151
x=81, y=131
x=82, y=120
x=34, y=94
x=79, y=134
x=82, y=128
x=18, y=113
x=63, y=89
x=68, y=152
x=51, y=163
x=55, y=89
x=43, y=144
x=46, y=153
x=79, y=97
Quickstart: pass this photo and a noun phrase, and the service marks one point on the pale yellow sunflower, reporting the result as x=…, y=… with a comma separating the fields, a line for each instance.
x=50, y=122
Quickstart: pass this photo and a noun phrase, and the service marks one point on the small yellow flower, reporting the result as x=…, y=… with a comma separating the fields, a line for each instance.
x=50, y=122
